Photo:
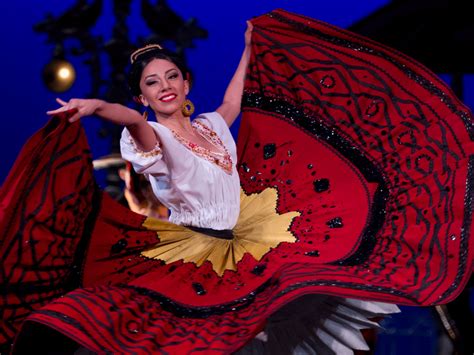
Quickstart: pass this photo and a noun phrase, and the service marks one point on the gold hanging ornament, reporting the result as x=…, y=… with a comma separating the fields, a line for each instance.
x=59, y=75
x=188, y=108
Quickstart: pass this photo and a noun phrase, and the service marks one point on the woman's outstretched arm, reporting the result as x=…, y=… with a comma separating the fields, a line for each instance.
x=143, y=134
x=230, y=107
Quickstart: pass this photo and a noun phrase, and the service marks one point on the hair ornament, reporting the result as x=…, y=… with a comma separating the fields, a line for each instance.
x=140, y=51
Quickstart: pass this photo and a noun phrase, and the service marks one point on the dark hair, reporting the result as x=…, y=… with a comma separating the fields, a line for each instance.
x=146, y=57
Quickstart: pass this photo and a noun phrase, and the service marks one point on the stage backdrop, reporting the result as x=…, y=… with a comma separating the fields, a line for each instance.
x=25, y=99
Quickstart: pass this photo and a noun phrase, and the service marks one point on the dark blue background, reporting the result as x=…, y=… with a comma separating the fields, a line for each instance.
x=24, y=98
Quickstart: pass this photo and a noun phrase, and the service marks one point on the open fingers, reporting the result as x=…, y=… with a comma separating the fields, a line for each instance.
x=74, y=117
x=53, y=112
x=61, y=102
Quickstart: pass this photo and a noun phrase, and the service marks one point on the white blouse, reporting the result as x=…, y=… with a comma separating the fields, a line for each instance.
x=200, y=188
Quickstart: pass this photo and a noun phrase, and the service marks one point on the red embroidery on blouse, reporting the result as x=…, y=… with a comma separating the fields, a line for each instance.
x=222, y=160
x=154, y=152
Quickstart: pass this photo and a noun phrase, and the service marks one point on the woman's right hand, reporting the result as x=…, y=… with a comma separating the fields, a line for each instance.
x=85, y=107
x=143, y=134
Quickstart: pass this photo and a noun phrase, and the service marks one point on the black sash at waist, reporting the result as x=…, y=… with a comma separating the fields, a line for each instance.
x=216, y=233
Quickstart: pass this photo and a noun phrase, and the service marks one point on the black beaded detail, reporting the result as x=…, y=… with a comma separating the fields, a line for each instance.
x=312, y=253
x=269, y=151
x=328, y=81
x=465, y=230
x=182, y=310
x=199, y=289
x=321, y=185
x=351, y=285
x=315, y=126
x=259, y=269
x=245, y=167
x=335, y=223
x=119, y=246
x=372, y=109
x=422, y=81
x=298, y=117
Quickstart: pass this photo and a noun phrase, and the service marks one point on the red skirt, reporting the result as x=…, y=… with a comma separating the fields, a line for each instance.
x=366, y=152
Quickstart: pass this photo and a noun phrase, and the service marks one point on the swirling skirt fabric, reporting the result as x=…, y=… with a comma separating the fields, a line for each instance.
x=356, y=166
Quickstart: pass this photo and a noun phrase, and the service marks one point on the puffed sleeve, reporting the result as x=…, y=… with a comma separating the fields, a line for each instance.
x=150, y=162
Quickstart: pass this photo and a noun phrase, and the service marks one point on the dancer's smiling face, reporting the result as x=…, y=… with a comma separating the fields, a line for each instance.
x=163, y=87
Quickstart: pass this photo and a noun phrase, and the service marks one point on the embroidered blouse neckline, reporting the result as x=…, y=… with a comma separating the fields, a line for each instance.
x=221, y=159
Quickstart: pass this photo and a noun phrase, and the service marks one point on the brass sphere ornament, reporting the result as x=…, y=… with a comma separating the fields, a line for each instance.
x=59, y=75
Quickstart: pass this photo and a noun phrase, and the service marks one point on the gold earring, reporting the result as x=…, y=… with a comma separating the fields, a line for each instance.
x=188, y=108
x=145, y=115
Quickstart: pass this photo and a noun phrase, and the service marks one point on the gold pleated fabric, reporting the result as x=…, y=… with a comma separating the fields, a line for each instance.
x=259, y=228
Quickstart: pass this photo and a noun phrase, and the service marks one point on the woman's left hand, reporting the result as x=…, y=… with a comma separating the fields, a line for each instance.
x=248, y=33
